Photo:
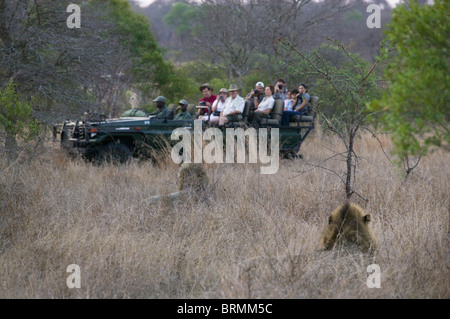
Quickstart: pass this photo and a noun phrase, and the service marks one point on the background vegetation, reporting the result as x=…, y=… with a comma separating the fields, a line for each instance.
x=416, y=104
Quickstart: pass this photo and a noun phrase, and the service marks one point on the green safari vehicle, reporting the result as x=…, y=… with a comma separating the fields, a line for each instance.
x=98, y=139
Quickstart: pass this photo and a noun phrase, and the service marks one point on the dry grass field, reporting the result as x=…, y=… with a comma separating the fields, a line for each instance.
x=251, y=236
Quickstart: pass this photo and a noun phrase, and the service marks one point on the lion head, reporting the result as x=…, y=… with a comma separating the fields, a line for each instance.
x=349, y=223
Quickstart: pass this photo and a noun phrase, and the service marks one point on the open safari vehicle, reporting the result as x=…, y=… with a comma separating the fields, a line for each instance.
x=97, y=138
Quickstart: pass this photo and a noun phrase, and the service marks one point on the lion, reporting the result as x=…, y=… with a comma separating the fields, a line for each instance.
x=349, y=223
x=192, y=176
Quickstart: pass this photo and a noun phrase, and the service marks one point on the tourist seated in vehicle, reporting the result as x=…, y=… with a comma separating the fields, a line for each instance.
x=265, y=107
x=255, y=96
x=291, y=96
x=234, y=106
x=205, y=103
x=162, y=111
x=217, y=107
x=184, y=115
x=300, y=105
x=280, y=90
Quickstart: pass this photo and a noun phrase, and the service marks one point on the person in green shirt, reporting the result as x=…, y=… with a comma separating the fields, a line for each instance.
x=184, y=115
x=163, y=112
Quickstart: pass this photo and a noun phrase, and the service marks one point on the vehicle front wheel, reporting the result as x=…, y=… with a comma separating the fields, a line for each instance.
x=114, y=153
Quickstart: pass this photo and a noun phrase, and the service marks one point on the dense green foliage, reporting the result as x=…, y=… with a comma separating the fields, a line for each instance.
x=16, y=118
x=415, y=107
x=152, y=75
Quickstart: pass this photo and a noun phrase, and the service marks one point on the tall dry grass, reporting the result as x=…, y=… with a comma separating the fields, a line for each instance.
x=251, y=236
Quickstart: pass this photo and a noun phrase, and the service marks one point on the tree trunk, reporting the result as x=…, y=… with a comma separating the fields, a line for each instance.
x=348, y=181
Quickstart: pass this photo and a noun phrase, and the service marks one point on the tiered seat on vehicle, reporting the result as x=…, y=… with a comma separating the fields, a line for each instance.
x=242, y=119
x=276, y=114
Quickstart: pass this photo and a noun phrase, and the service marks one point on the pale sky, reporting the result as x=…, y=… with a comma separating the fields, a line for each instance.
x=145, y=3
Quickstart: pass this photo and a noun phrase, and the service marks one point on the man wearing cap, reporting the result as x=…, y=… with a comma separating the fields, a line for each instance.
x=184, y=115
x=255, y=96
x=207, y=101
x=234, y=105
x=162, y=111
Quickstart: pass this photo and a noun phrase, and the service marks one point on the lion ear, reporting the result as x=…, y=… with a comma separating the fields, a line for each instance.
x=330, y=220
x=367, y=218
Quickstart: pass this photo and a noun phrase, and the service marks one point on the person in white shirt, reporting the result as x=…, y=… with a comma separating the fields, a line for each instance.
x=234, y=106
x=217, y=107
x=265, y=107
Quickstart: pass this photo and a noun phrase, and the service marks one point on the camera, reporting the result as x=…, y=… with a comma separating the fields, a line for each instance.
x=256, y=91
x=222, y=98
x=280, y=86
x=202, y=103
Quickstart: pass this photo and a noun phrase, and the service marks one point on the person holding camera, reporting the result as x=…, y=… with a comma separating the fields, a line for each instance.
x=280, y=90
x=257, y=94
x=206, y=102
x=255, y=97
x=217, y=107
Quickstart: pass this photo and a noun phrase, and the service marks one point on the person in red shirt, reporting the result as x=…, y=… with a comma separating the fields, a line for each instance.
x=207, y=101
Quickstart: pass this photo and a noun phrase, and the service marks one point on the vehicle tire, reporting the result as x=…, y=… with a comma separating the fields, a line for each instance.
x=114, y=153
